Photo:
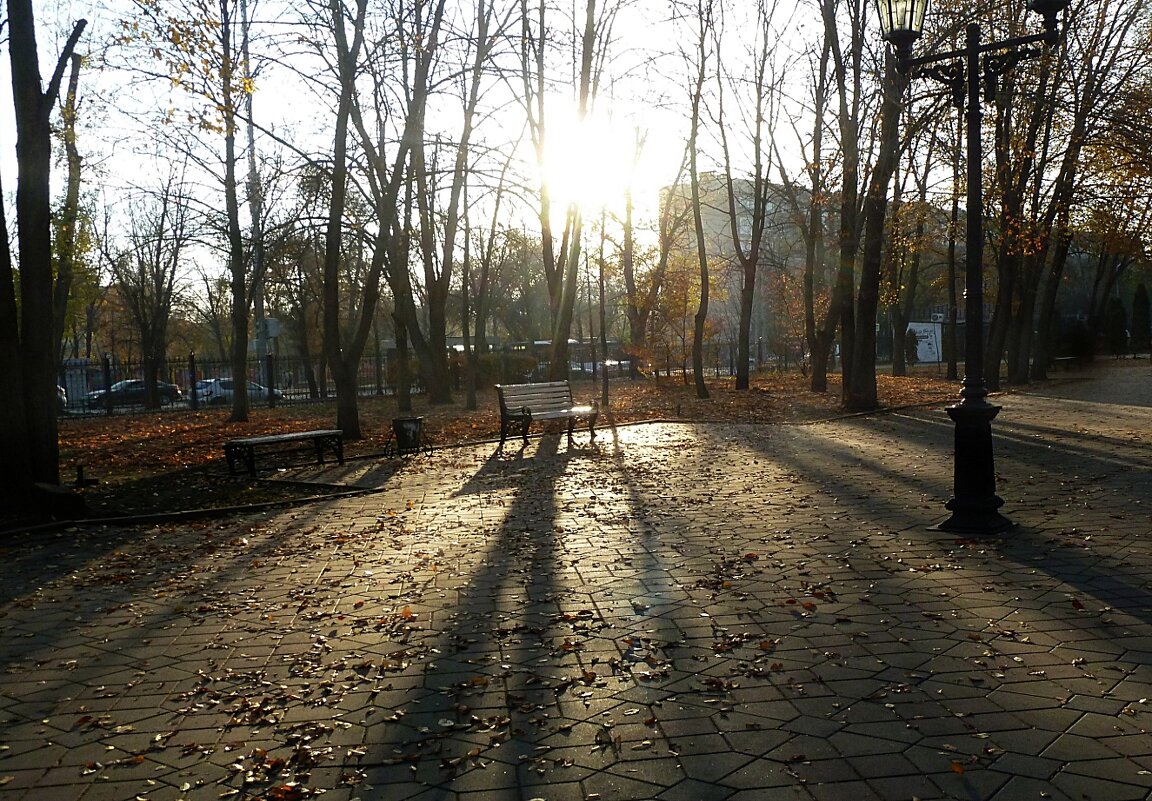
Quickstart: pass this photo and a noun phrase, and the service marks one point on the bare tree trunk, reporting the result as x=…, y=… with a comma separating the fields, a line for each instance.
x=403, y=374
x=145, y=270
x=466, y=311
x=347, y=412
x=386, y=177
x=901, y=301
x=1023, y=318
x=814, y=244
x=487, y=259
x=861, y=380
x=255, y=200
x=1045, y=350
x=562, y=324
x=953, y=231
x=841, y=311
x=640, y=306
x=748, y=254
x=438, y=283
x=704, y=10
x=69, y=216
x=237, y=267
x=603, y=323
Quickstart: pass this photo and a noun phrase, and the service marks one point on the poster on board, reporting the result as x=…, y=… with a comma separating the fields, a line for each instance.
x=928, y=341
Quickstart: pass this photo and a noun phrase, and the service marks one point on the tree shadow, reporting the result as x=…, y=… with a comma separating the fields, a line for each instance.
x=1127, y=385
x=490, y=693
x=1044, y=470
x=510, y=468
x=477, y=647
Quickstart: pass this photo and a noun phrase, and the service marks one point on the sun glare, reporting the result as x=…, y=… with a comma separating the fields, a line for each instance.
x=589, y=164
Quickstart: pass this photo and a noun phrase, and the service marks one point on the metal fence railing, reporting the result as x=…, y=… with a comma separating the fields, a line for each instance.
x=197, y=383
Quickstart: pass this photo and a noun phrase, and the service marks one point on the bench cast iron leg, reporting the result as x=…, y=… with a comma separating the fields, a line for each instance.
x=336, y=444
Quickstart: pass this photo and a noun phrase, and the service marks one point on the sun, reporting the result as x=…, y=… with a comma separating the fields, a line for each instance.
x=595, y=162
x=589, y=163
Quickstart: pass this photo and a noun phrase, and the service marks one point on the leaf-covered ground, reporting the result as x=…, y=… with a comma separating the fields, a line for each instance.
x=704, y=611
x=155, y=463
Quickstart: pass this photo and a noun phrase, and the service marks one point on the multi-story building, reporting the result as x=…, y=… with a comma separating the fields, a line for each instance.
x=776, y=329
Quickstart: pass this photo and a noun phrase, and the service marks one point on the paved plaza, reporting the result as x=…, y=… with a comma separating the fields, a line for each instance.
x=689, y=612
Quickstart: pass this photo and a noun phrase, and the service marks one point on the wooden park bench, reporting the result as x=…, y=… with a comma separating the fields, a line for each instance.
x=244, y=450
x=520, y=404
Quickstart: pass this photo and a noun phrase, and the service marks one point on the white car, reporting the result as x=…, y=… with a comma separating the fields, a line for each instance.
x=218, y=391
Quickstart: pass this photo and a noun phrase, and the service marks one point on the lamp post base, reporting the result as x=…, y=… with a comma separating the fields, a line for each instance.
x=974, y=521
x=975, y=505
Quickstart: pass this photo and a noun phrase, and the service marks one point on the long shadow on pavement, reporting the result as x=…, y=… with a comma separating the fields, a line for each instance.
x=1057, y=474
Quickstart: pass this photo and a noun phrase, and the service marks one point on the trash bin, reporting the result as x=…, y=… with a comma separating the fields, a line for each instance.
x=408, y=434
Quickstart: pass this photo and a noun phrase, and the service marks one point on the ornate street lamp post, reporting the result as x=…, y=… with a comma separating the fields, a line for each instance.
x=975, y=507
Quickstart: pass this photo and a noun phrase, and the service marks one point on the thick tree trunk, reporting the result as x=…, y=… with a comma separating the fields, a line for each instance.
x=466, y=326
x=347, y=412
x=953, y=337
x=236, y=263
x=814, y=244
x=698, y=322
x=562, y=324
x=743, y=352
x=821, y=356
x=1046, y=322
x=28, y=354
x=861, y=380
x=344, y=376
x=403, y=374
x=1020, y=333
x=899, y=332
x=439, y=376
x=14, y=470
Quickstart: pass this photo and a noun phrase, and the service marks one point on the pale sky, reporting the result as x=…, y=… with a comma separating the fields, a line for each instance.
x=592, y=163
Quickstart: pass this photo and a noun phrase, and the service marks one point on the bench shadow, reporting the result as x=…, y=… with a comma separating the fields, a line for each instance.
x=508, y=467
x=368, y=472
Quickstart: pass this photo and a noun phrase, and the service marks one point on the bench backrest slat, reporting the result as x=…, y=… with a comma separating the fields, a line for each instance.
x=543, y=397
x=292, y=436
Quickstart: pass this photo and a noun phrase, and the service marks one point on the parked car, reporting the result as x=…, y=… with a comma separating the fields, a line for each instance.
x=218, y=391
x=123, y=393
